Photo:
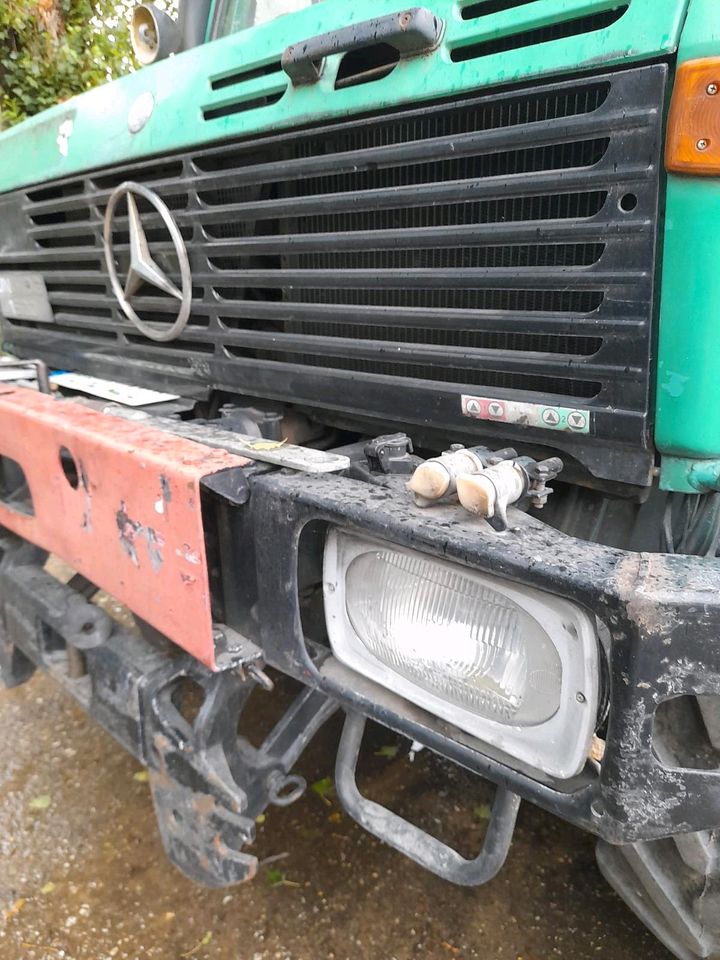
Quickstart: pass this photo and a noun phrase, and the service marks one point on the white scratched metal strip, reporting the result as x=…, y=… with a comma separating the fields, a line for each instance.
x=276, y=452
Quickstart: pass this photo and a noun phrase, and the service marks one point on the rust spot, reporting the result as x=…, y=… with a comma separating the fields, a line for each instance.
x=87, y=505
x=163, y=501
x=132, y=531
x=128, y=532
x=155, y=544
x=640, y=580
x=204, y=804
x=83, y=477
x=187, y=553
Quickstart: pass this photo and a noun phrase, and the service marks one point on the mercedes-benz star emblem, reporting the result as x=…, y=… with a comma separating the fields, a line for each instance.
x=143, y=268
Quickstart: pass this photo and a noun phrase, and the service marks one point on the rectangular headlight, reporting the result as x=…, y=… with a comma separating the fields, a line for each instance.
x=514, y=667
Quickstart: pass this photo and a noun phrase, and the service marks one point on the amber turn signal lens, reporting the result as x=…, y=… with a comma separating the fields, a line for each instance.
x=693, y=139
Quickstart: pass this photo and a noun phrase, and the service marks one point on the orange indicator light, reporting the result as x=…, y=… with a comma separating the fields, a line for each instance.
x=693, y=138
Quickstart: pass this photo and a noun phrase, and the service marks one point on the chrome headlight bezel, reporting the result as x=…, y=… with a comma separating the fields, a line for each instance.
x=559, y=746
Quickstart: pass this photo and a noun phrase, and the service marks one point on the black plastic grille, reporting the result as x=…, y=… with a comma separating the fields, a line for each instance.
x=379, y=267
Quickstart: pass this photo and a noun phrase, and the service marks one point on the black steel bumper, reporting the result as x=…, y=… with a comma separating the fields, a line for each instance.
x=662, y=615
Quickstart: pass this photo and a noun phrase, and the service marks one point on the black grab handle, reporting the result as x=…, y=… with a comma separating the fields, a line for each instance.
x=411, y=32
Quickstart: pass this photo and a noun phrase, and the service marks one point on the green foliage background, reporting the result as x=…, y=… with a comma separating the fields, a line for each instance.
x=53, y=49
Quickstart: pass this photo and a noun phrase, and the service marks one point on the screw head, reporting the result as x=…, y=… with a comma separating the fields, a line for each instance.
x=711, y=89
x=703, y=144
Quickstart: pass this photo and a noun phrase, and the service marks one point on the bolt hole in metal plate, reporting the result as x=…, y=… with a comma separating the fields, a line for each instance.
x=69, y=467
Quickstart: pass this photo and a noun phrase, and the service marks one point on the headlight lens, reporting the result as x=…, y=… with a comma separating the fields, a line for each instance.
x=513, y=666
x=453, y=636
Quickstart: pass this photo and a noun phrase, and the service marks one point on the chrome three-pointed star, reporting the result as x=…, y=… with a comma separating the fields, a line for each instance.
x=143, y=268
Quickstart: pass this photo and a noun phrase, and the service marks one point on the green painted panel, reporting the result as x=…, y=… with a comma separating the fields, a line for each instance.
x=182, y=85
x=683, y=475
x=688, y=412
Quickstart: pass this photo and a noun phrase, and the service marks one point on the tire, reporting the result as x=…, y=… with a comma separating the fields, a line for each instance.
x=673, y=885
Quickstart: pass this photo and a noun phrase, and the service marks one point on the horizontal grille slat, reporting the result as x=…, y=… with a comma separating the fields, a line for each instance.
x=456, y=357
x=521, y=278
x=404, y=318
x=398, y=198
x=484, y=346
x=411, y=238
x=504, y=244
x=466, y=377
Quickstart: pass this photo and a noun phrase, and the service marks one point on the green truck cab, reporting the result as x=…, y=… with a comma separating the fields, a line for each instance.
x=382, y=356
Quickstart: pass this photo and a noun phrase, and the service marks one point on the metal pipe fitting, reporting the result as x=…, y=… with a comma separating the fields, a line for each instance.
x=438, y=478
x=490, y=493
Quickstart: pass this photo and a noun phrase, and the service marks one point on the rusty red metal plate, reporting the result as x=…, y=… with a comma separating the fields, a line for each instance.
x=125, y=511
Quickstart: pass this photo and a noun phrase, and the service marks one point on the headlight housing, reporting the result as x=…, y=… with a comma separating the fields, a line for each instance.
x=514, y=667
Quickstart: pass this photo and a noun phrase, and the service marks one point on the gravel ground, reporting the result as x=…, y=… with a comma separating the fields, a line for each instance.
x=83, y=874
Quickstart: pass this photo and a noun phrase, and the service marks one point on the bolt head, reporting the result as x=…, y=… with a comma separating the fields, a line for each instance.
x=703, y=144
x=712, y=89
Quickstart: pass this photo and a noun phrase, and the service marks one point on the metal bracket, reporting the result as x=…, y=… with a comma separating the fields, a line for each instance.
x=539, y=475
x=129, y=496
x=208, y=783
x=415, y=843
x=39, y=366
x=391, y=454
x=275, y=452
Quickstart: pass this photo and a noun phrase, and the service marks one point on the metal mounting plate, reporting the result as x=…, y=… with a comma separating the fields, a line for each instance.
x=121, y=506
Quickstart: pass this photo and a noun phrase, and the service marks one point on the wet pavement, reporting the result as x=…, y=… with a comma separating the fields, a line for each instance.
x=83, y=874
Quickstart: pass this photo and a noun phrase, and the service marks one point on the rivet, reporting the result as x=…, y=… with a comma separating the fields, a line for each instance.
x=580, y=697
x=712, y=89
x=703, y=144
